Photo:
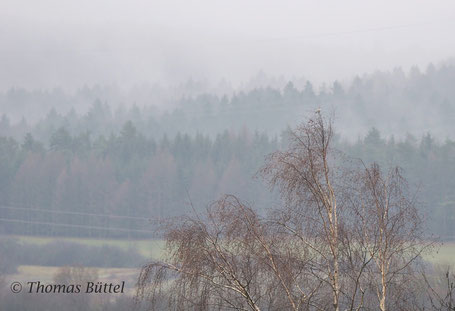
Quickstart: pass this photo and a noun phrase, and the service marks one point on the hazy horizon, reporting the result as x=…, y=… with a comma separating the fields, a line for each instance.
x=71, y=44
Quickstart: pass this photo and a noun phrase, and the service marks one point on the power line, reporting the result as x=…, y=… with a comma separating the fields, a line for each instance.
x=74, y=226
x=77, y=213
x=218, y=41
x=356, y=31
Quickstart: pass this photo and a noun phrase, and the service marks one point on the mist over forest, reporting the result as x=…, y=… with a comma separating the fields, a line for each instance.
x=101, y=155
x=396, y=102
x=260, y=155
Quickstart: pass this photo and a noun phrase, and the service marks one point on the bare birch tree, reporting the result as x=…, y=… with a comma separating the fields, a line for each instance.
x=393, y=234
x=347, y=237
x=231, y=259
x=306, y=180
x=363, y=225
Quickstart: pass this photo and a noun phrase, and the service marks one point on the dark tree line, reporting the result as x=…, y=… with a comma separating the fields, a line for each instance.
x=124, y=174
x=131, y=175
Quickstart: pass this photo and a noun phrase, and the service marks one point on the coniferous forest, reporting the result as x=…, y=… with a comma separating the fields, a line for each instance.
x=139, y=163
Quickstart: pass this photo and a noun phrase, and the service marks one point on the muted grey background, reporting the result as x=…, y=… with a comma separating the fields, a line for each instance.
x=47, y=44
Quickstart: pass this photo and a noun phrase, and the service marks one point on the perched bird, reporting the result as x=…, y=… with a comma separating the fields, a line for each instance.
x=318, y=110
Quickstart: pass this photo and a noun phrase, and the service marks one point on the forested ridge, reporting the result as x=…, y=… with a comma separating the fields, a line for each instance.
x=99, y=151
x=396, y=102
x=128, y=174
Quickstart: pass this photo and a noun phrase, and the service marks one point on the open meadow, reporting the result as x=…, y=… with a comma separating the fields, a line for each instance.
x=444, y=255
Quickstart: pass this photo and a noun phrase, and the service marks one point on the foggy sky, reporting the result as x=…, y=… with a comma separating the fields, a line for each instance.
x=46, y=44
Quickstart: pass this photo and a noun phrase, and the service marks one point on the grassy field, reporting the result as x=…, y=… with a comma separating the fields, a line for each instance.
x=147, y=248
x=153, y=249
x=444, y=255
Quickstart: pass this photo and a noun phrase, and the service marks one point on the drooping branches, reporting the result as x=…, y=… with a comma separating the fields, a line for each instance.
x=231, y=259
x=347, y=237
